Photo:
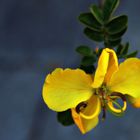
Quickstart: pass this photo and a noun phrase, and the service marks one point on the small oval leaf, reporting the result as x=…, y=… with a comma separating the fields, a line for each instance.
x=65, y=118
x=125, y=49
x=88, y=60
x=111, y=44
x=88, y=69
x=97, y=12
x=133, y=54
x=117, y=35
x=84, y=50
x=109, y=7
x=89, y=20
x=94, y=35
x=119, y=49
x=117, y=24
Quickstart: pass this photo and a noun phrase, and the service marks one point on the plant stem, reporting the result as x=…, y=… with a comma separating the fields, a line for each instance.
x=101, y=3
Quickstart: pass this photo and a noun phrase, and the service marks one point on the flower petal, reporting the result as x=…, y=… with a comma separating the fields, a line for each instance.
x=112, y=65
x=86, y=125
x=107, y=65
x=127, y=79
x=64, y=89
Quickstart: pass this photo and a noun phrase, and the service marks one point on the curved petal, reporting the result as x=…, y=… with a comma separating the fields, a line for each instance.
x=107, y=65
x=135, y=102
x=85, y=125
x=112, y=65
x=127, y=79
x=64, y=89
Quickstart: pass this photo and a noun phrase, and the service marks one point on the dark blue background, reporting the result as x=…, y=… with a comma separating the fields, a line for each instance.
x=37, y=36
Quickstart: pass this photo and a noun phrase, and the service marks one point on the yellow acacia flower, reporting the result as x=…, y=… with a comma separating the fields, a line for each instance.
x=86, y=94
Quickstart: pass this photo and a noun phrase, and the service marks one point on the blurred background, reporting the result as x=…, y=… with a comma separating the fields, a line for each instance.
x=37, y=36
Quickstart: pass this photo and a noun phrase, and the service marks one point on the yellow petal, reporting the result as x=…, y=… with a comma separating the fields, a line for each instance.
x=127, y=79
x=85, y=125
x=64, y=89
x=135, y=102
x=107, y=65
x=112, y=65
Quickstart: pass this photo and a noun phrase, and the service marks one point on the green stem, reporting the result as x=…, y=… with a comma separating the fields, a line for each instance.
x=101, y=3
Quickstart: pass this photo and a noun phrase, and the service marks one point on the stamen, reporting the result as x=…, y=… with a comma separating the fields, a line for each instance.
x=116, y=96
x=104, y=114
x=110, y=105
x=81, y=106
x=95, y=112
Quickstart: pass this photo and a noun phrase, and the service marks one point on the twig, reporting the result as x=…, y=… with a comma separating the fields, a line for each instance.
x=101, y=3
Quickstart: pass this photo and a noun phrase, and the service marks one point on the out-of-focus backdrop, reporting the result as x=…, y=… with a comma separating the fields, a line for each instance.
x=37, y=36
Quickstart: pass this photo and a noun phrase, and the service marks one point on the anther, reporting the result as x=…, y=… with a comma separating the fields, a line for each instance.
x=80, y=107
x=116, y=96
x=94, y=114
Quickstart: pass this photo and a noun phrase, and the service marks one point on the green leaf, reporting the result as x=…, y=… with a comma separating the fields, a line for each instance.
x=94, y=35
x=125, y=49
x=97, y=13
x=122, y=50
x=133, y=54
x=89, y=20
x=109, y=7
x=88, y=69
x=88, y=60
x=119, y=49
x=65, y=118
x=84, y=50
x=117, y=24
x=114, y=43
x=117, y=35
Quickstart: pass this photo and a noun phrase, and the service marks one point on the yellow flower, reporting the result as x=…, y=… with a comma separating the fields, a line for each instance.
x=86, y=94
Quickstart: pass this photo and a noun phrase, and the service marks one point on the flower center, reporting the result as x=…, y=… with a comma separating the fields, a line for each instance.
x=108, y=101
x=111, y=101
